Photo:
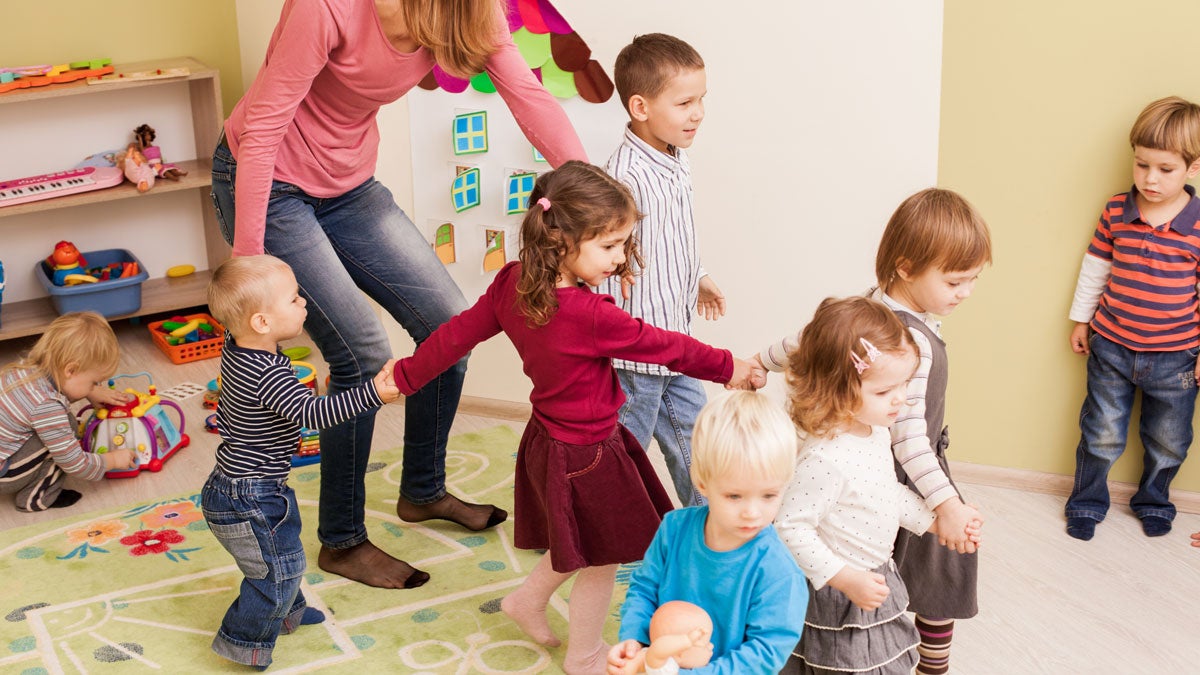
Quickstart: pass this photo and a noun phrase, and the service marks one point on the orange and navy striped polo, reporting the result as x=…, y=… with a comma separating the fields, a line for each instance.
x=1150, y=301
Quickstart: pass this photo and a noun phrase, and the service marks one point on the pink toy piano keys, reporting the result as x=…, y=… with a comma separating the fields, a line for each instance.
x=49, y=185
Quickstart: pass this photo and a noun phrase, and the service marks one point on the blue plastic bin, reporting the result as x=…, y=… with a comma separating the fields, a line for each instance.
x=114, y=297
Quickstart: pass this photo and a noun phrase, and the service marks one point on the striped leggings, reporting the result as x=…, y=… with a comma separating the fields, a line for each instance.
x=32, y=477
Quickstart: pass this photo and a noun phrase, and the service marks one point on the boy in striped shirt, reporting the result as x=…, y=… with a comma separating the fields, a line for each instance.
x=1136, y=311
x=661, y=82
x=246, y=500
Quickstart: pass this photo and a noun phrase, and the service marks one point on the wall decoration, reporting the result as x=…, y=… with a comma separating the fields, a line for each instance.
x=443, y=243
x=464, y=190
x=517, y=188
x=559, y=56
x=470, y=133
x=494, y=253
x=537, y=155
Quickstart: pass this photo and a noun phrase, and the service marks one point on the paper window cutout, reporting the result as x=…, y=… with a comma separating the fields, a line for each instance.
x=517, y=189
x=494, y=255
x=546, y=41
x=443, y=243
x=537, y=156
x=464, y=191
x=470, y=133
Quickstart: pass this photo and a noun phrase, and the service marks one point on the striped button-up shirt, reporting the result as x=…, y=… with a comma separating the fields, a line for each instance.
x=1138, y=282
x=667, y=287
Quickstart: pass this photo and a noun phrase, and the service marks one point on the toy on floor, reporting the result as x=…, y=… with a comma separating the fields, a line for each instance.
x=180, y=329
x=142, y=425
x=308, y=451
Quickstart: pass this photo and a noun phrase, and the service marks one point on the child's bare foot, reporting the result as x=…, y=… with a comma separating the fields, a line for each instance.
x=530, y=619
x=367, y=564
x=1196, y=540
x=474, y=517
x=587, y=662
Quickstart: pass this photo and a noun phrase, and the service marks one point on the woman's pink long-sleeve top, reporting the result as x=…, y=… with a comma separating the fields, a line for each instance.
x=575, y=394
x=309, y=117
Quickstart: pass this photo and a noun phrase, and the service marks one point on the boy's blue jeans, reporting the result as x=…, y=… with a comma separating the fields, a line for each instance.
x=1168, y=384
x=665, y=407
x=340, y=248
x=258, y=522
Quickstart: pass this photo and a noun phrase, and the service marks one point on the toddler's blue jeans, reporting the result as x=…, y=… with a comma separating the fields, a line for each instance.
x=258, y=522
x=1168, y=385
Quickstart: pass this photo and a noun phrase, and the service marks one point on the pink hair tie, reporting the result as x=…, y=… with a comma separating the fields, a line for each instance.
x=544, y=203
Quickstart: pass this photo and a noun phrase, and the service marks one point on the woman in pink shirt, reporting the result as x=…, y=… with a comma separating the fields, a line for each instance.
x=295, y=163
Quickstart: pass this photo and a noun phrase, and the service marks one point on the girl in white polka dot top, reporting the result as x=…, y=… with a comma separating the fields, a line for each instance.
x=840, y=515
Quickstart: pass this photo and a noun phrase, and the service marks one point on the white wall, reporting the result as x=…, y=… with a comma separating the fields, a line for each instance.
x=822, y=117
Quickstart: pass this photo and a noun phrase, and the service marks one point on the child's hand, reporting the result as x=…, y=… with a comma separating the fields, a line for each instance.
x=627, y=282
x=385, y=383
x=100, y=396
x=1079, y=339
x=744, y=375
x=621, y=657
x=867, y=590
x=953, y=516
x=119, y=460
x=758, y=374
x=710, y=302
x=672, y=646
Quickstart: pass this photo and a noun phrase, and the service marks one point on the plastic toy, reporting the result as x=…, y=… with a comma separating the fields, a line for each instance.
x=65, y=261
x=212, y=394
x=679, y=630
x=145, y=143
x=142, y=425
x=23, y=77
x=308, y=450
x=180, y=270
x=66, y=265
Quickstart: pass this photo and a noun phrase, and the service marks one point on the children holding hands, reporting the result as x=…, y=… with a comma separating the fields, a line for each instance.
x=848, y=382
x=1135, y=310
x=661, y=82
x=38, y=445
x=725, y=556
x=246, y=501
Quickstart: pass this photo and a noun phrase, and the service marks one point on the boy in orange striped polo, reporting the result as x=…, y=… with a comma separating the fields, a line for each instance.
x=1136, y=312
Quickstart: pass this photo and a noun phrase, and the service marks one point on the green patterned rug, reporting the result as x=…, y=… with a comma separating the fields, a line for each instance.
x=144, y=588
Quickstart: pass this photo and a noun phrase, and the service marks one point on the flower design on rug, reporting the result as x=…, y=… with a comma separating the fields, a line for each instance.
x=91, y=536
x=175, y=514
x=144, y=542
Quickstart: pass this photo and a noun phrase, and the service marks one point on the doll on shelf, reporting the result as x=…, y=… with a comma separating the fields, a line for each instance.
x=153, y=154
x=137, y=168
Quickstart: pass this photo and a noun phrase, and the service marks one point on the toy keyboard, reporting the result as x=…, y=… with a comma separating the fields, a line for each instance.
x=58, y=184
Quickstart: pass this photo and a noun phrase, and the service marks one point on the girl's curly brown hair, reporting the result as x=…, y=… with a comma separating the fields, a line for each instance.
x=584, y=203
x=825, y=387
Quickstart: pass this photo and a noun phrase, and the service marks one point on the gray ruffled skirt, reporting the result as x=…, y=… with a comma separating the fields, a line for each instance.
x=841, y=638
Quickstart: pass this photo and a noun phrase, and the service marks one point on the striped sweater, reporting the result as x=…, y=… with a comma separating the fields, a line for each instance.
x=263, y=406
x=1137, y=284
x=36, y=407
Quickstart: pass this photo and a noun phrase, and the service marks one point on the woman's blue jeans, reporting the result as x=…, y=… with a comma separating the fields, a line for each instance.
x=1168, y=385
x=343, y=250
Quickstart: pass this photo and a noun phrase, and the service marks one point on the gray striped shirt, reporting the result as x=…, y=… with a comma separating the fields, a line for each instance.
x=667, y=287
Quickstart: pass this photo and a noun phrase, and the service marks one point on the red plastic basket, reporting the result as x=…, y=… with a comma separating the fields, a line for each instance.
x=190, y=351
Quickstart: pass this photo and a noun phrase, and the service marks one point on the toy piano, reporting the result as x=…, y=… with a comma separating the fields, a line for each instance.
x=57, y=184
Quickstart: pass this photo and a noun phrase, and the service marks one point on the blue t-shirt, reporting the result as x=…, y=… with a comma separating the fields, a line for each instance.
x=756, y=594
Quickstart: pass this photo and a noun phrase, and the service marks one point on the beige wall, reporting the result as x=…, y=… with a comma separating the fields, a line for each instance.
x=124, y=31
x=1037, y=101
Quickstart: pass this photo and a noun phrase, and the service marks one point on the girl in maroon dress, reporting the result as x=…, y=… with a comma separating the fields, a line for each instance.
x=585, y=489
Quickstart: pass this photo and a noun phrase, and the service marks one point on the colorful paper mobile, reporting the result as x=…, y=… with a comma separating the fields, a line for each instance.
x=443, y=243
x=470, y=133
x=516, y=192
x=494, y=257
x=464, y=191
x=556, y=53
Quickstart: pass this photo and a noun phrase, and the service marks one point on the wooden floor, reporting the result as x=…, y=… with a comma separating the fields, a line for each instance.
x=1119, y=604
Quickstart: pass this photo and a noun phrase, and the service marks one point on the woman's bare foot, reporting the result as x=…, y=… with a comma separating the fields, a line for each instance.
x=367, y=564
x=531, y=620
x=474, y=517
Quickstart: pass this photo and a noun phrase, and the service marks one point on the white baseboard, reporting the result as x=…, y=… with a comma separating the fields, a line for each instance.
x=965, y=472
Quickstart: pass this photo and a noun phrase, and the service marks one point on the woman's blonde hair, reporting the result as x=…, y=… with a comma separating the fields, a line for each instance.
x=240, y=287
x=80, y=339
x=745, y=431
x=825, y=386
x=583, y=202
x=933, y=228
x=460, y=33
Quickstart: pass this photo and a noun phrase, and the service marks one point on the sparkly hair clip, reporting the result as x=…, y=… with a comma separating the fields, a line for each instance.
x=544, y=203
x=861, y=364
